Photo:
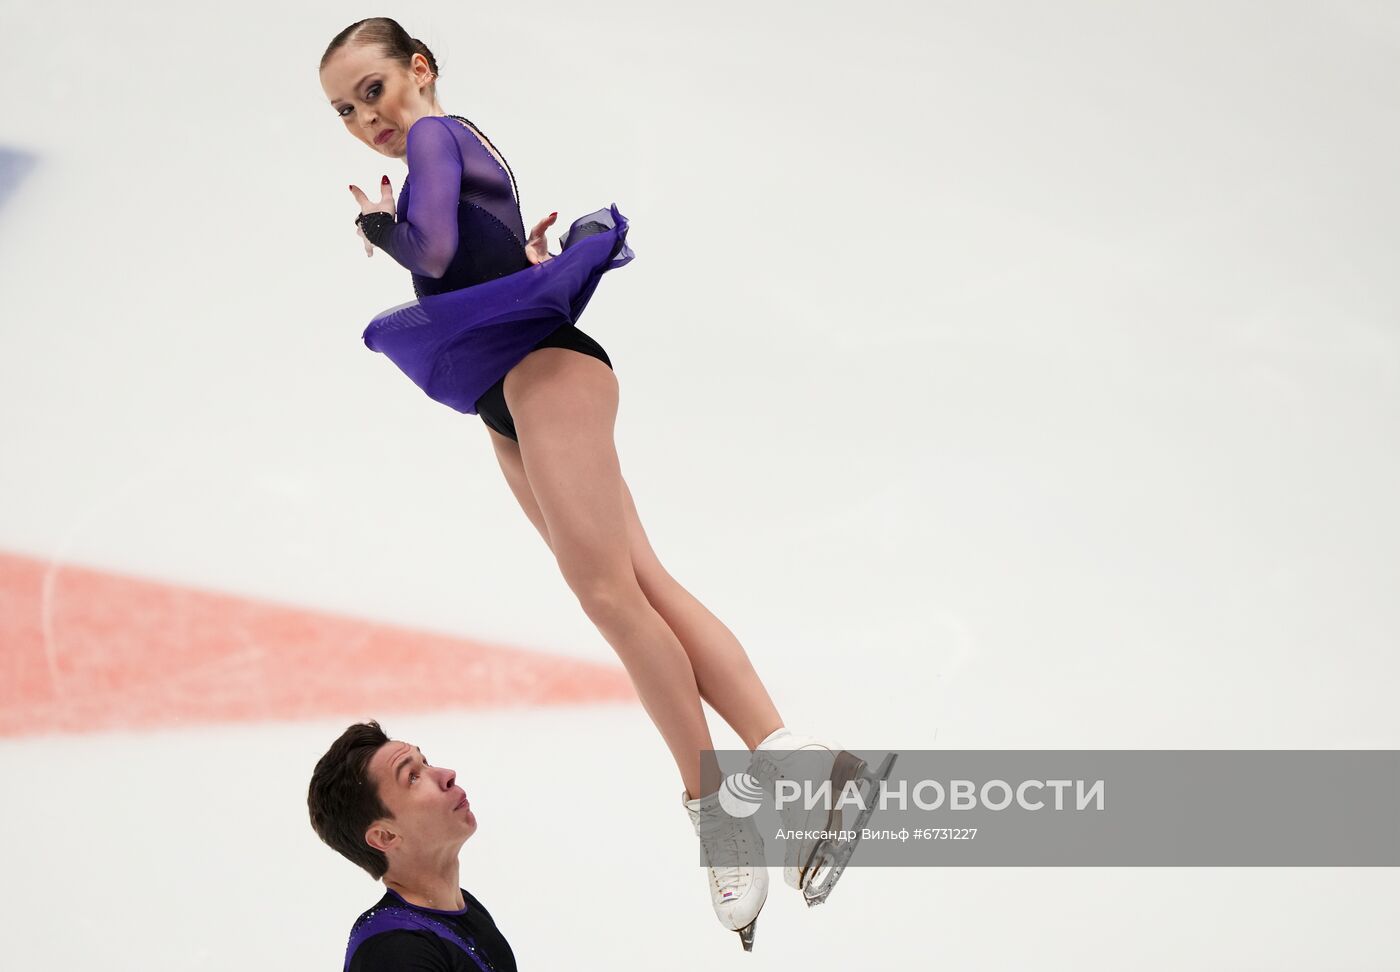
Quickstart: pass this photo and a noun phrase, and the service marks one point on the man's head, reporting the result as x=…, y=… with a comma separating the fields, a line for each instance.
x=376, y=799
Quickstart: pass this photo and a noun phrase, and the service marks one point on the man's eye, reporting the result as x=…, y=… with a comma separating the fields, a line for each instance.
x=412, y=776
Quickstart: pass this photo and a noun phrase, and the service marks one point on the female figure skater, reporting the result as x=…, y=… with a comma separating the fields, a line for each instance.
x=492, y=333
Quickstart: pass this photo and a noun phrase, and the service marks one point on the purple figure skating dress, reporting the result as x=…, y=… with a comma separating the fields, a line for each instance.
x=481, y=305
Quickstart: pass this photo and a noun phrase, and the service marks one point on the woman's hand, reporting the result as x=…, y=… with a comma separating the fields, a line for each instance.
x=537, y=246
x=386, y=205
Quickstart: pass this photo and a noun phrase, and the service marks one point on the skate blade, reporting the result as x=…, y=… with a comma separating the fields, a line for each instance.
x=746, y=935
x=828, y=865
x=845, y=767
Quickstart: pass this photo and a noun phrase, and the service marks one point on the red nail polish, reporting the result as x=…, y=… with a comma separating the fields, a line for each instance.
x=554, y=214
x=385, y=180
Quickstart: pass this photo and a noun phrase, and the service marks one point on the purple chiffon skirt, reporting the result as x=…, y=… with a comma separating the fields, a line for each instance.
x=456, y=344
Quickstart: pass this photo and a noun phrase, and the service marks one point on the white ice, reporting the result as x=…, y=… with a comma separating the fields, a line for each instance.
x=1005, y=376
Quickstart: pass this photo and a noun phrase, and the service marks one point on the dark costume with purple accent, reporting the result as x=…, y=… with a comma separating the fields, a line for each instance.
x=396, y=936
x=481, y=305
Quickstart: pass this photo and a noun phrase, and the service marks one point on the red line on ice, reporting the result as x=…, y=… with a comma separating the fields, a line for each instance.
x=110, y=651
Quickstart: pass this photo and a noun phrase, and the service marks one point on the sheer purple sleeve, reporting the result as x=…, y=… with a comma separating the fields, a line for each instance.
x=424, y=239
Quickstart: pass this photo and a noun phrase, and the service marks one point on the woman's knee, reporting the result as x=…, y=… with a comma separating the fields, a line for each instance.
x=609, y=601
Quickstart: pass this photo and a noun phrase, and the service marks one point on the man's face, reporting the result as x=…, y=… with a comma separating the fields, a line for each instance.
x=430, y=811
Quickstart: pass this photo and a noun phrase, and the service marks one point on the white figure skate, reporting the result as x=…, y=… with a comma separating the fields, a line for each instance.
x=733, y=854
x=813, y=866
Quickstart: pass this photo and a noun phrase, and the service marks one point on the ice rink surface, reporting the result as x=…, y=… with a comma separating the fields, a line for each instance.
x=1004, y=375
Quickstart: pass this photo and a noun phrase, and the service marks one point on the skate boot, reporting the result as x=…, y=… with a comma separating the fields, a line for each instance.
x=813, y=865
x=733, y=854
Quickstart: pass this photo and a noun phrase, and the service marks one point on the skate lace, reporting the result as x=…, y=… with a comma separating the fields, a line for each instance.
x=715, y=839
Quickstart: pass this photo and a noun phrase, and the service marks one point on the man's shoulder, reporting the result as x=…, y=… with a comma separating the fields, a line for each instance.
x=391, y=936
x=384, y=901
x=399, y=950
x=473, y=903
x=395, y=934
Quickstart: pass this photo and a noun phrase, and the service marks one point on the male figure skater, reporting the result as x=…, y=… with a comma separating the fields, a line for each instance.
x=381, y=804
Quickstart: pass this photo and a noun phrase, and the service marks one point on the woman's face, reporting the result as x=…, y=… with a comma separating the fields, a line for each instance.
x=376, y=99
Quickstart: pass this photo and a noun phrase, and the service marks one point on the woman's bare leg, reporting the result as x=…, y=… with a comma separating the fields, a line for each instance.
x=565, y=406
x=724, y=674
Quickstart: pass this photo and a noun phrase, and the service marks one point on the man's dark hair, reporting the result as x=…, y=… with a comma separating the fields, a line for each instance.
x=344, y=801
